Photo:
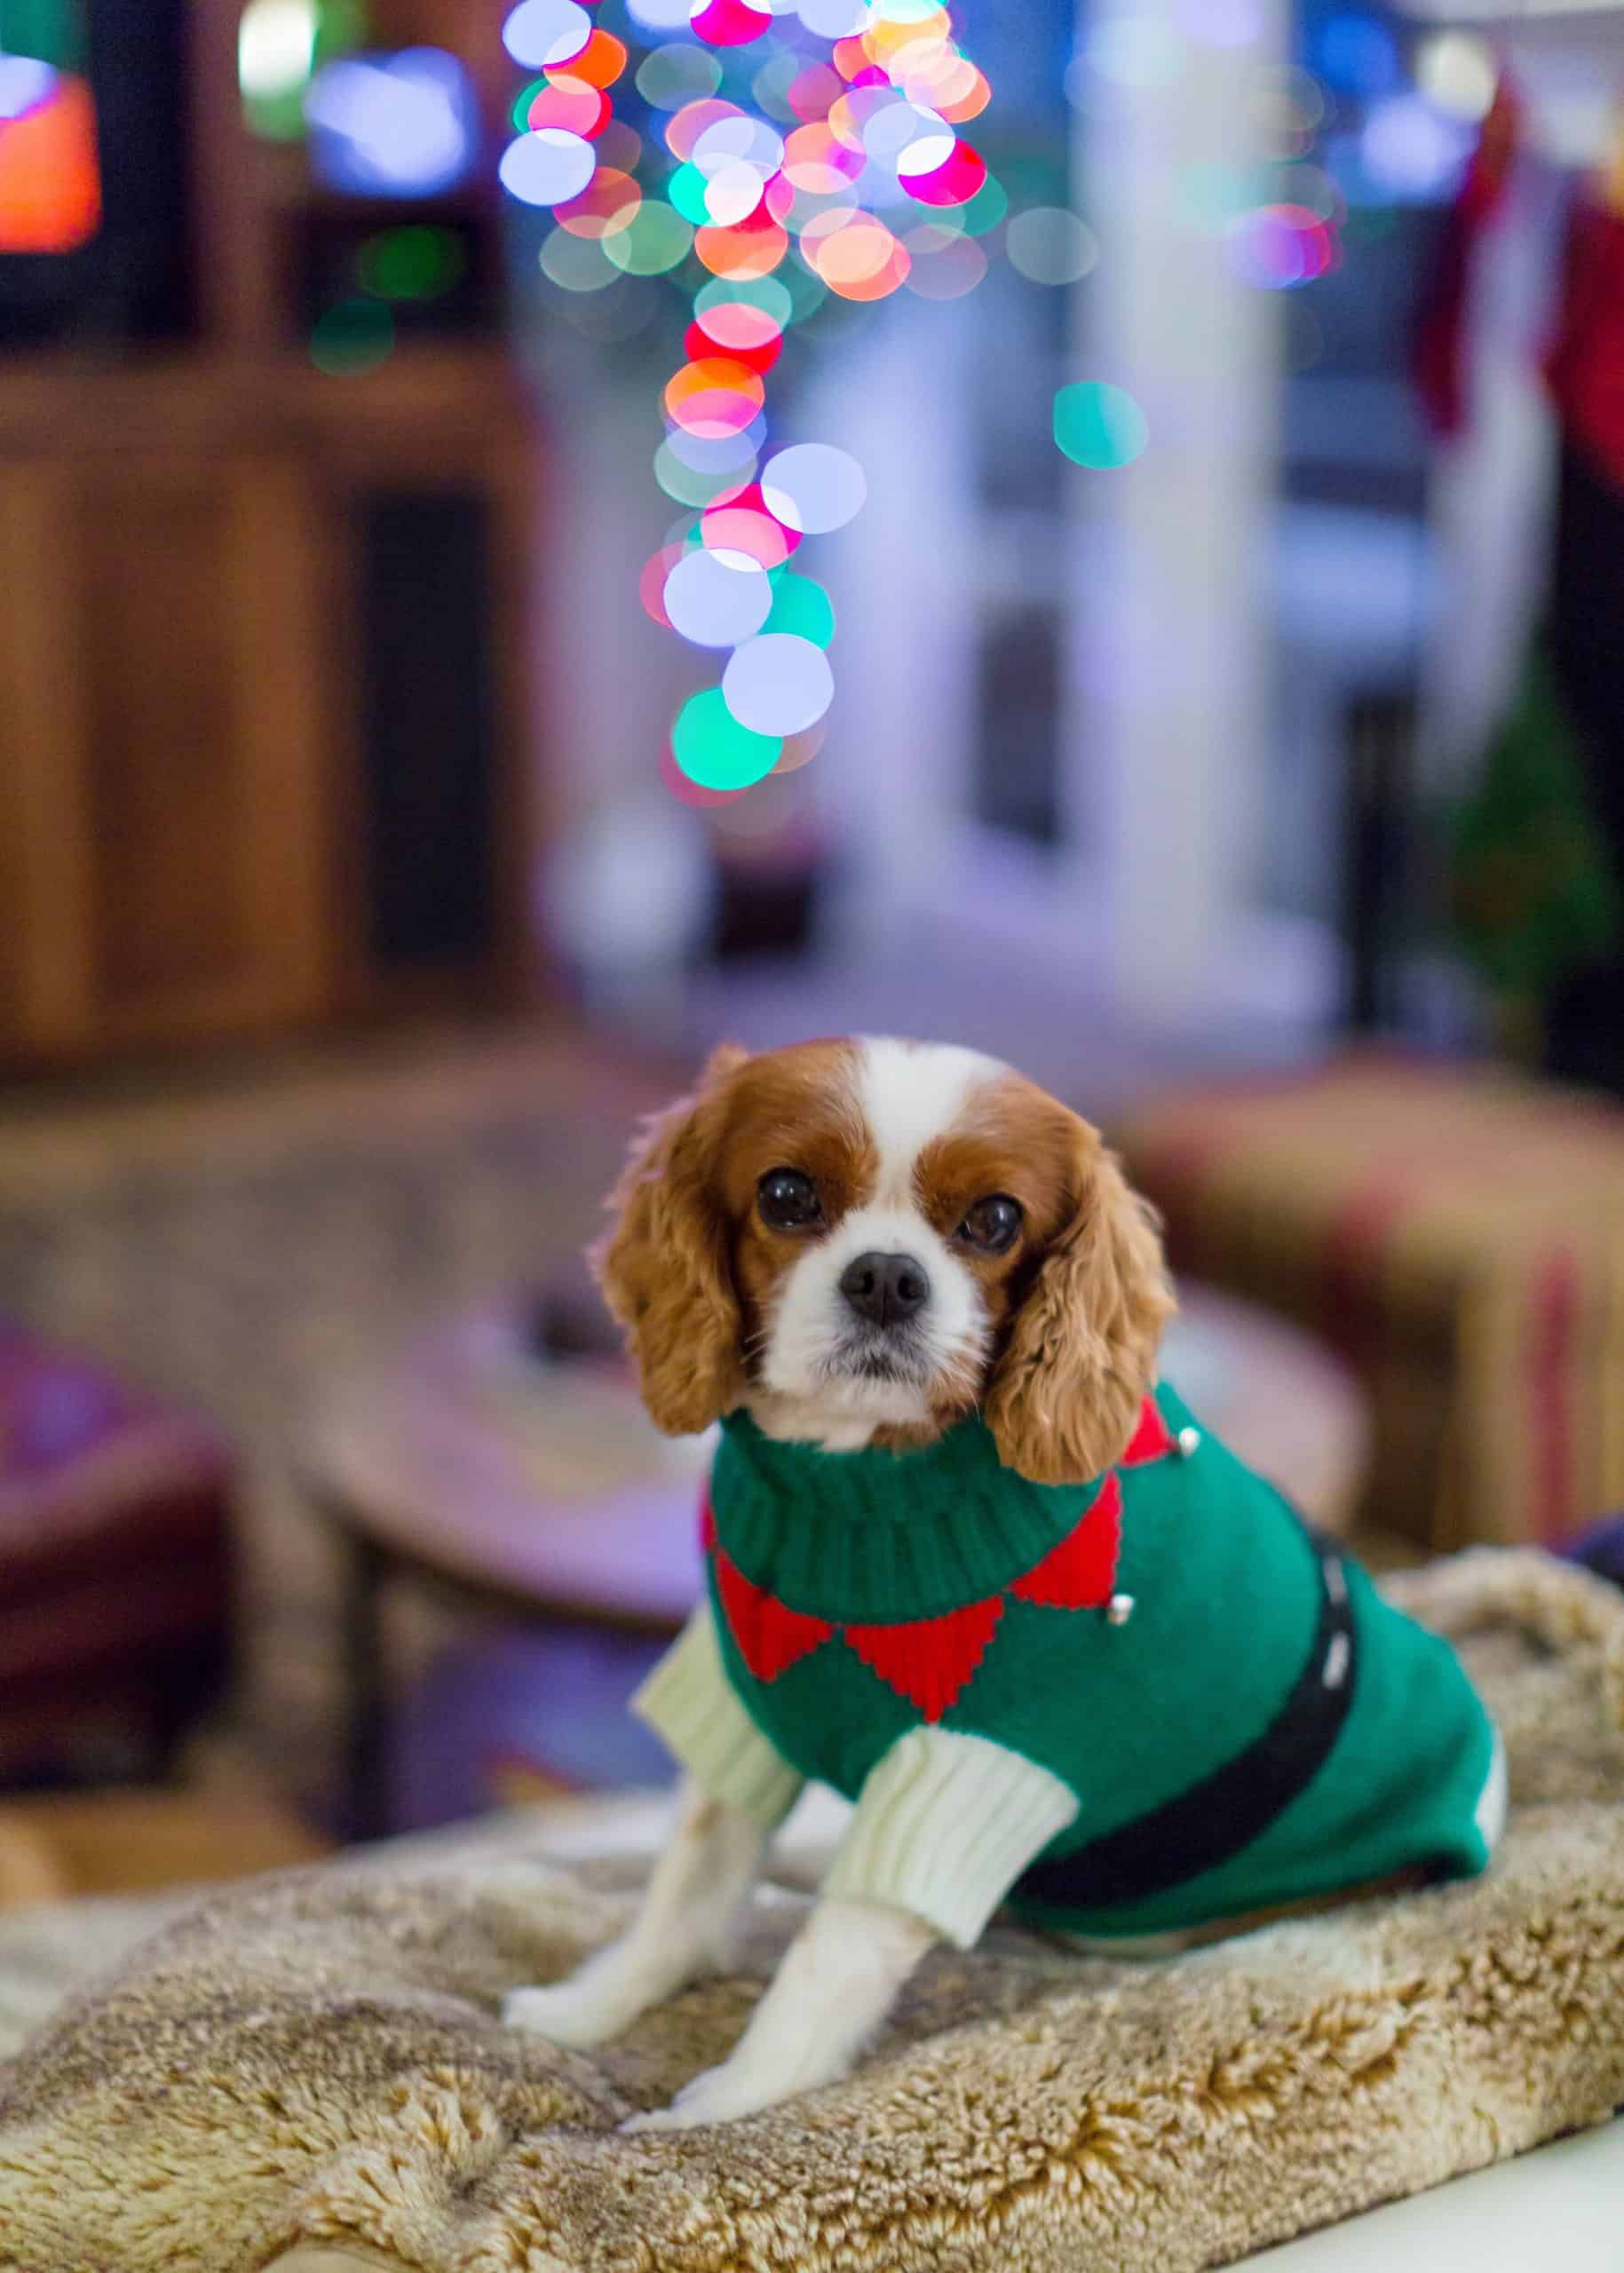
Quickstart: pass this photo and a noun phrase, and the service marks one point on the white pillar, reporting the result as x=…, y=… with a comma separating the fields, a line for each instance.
x=895, y=771
x=1168, y=687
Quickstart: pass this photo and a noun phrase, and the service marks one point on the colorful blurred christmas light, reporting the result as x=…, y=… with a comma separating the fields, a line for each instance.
x=277, y=56
x=414, y=263
x=826, y=161
x=403, y=125
x=353, y=339
x=1100, y=426
x=800, y=154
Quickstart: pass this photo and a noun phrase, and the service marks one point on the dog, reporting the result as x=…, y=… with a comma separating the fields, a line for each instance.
x=970, y=1562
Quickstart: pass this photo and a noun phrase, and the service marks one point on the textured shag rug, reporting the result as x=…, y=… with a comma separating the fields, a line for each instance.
x=315, y=2066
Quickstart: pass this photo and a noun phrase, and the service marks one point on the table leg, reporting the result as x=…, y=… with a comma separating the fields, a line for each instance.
x=366, y=1692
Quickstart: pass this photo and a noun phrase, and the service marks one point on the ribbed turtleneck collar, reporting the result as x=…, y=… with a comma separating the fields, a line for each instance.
x=880, y=1537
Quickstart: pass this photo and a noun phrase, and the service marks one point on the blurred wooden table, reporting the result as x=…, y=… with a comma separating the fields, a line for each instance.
x=472, y=1465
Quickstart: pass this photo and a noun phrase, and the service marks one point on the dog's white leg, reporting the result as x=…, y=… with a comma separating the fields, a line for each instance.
x=836, y=1984
x=681, y=1931
x=1490, y=1814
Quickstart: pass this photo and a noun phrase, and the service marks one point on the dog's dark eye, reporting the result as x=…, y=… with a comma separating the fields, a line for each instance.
x=993, y=1224
x=788, y=1200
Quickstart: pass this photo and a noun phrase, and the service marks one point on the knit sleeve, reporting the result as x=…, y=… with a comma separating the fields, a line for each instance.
x=945, y=1824
x=689, y=1704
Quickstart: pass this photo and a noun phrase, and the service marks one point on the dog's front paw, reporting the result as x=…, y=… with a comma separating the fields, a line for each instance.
x=718, y=2095
x=742, y=2085
x=589, y=2008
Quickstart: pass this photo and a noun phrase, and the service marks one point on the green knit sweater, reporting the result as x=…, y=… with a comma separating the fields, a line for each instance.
x=1132, y=1706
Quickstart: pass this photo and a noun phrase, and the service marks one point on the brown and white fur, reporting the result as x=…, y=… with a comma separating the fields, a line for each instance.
x=1053, y=1335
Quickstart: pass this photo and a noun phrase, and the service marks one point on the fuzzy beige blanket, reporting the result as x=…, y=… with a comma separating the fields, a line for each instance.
x=310, y=2073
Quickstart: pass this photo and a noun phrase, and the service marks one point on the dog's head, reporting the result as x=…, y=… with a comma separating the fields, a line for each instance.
x=864, y=1241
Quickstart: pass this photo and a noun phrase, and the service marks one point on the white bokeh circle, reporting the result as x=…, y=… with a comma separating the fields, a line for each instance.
x=815, y=487
x=540, y=34
x=717, y=601
x=547, y=167
x=778, y=683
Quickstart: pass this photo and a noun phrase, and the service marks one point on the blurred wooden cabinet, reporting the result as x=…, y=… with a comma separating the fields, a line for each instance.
x=264, y=728
x=267, y=741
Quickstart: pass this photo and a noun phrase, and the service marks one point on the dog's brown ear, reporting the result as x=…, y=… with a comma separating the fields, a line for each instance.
x=1082, y=1356
x=663, y=1263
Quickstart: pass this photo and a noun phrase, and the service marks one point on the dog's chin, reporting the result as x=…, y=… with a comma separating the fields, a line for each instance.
x=853, y=1389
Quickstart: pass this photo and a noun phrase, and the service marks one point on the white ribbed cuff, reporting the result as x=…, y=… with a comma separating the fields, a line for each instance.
x=691, y=1705
x=945, y=1827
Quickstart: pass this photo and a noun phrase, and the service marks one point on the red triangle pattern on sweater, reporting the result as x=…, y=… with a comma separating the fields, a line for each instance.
x=1080, y=1572
x=771, y=1637
x=1152, y=1440
x=929, y=1661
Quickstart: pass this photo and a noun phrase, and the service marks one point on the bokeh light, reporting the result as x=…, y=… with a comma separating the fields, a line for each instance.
x=743, y=341
x=1281, y=246
x=814, y=487
x=716, y=601
x=600, y=62
x=404, y=125
x=576, y=263
x=1410, y=151
x=609, y=204
x=690, y=793
x=353, y=339
x=413, y=263
x=573, y=104
x=653, y=241
x=943, y=264
x=778, y=683
x=1099, y=425
x=546, y=34
x=696, y=484
x=660, y=15
x=548, y=167
x=714, y=396
x=276, y=55
x=800, y=606
x=741, y=524
x=804, y=157
x=1049, y=244
x=1359, y=54
x=676, y=74
x=1458, y=73
x=730, y=23
x=714, y=749
x=800, y=749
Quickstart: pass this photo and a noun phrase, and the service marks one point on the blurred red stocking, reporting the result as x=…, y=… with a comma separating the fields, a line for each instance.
x=1440, y=347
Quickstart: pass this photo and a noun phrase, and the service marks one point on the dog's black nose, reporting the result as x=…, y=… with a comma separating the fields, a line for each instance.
x=885, y=1288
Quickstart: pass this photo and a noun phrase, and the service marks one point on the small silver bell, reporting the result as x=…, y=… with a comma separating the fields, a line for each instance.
x=1188, y=1441
x=1119, y=1610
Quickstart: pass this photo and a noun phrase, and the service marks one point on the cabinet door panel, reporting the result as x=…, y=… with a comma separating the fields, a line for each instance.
x=47, y=995
x=171, y=833
x=173, y=731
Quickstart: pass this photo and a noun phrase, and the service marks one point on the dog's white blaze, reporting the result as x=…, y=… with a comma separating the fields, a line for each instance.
x=912, y=1094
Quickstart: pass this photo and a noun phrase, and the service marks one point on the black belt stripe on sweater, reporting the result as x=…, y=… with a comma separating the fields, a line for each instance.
x=1211, y=1821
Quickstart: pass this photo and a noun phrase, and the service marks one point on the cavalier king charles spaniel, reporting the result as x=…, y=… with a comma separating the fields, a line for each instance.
x=875, y=1258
